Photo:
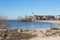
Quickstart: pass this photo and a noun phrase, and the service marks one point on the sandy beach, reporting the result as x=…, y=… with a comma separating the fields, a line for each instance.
x=52, y=34
x=55, y=33
x=50, y=21
x=48, y=38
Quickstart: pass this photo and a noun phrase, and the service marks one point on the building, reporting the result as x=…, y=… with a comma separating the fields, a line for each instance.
x=44, y=17
x=31, y=18
x=57, y=17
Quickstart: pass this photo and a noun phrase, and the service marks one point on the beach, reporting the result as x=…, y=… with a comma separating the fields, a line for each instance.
x=48, y=38
x=50, y=21
x=47, y=34
x=35, y=34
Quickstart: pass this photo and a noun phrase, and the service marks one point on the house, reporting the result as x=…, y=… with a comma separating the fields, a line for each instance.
x=44, y=17
x=31, y=18
x=57, y=17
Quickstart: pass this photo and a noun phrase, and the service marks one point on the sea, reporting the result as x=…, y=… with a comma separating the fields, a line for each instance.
x=29, y=25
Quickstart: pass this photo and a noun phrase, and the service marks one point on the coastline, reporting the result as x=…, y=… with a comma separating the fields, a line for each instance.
x=51, y=21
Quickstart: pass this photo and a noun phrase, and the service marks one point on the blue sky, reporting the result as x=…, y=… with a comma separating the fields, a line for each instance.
x=15, y=8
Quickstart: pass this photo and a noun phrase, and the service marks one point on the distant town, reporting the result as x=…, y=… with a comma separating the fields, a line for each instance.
x=27, y=18
x=39, y=17
x=44, y=17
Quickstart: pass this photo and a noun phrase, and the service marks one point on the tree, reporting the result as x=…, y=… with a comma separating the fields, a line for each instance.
x=19, y=18
x=26, y=18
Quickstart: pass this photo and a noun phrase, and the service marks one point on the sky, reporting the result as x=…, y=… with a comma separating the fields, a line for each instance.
x=14, y=8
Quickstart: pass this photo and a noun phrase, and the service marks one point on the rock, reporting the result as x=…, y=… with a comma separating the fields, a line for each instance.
x=8, y=37
x=1, y=38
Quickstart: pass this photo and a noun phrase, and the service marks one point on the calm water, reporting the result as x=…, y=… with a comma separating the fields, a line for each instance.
x=29, y=25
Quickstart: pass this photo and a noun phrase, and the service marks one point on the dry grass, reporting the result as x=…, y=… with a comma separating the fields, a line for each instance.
x=14, y=35
x=52, y=32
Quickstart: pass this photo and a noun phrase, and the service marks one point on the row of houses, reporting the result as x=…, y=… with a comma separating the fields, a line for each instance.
x=45, y=17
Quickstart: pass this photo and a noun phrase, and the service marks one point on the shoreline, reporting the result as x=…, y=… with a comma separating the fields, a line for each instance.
x=42, y=28
x=50, y=21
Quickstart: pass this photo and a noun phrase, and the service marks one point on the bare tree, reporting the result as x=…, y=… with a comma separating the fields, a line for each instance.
x=26, y=18
x=19, y=18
